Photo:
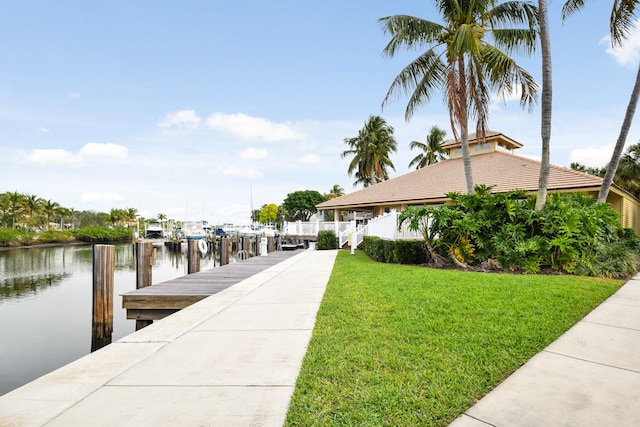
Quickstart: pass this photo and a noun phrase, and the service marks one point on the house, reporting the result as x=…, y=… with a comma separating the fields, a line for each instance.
x=494, y=164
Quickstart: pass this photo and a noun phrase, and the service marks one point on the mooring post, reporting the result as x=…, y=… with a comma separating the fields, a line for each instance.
x=103, y=277
x=144, y=264
x=224, y=251
x=193, y=256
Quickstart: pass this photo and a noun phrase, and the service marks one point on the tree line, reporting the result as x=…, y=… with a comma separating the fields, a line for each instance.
x=29, y=211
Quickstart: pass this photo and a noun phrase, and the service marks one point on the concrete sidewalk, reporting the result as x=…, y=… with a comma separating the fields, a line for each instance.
x=231, y=359
x=590, y=376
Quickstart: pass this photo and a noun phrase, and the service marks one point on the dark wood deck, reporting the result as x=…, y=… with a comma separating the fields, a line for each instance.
x=162, y=299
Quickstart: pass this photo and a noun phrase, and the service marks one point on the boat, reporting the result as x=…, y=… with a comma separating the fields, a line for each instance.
x=154, y=230
x=194, y=229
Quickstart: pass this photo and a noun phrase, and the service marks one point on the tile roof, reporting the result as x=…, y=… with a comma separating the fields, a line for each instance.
x=503, y=170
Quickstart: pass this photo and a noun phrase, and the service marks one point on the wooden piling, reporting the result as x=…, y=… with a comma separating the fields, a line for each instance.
x=193, y=256
x=144, y=264
x=103, y=278
x=224, y=251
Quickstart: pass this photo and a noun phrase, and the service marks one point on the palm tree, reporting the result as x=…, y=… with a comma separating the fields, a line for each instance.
x=337, y=190
x=620, y=24
x=371, y=150
x=628, y=174
x=32, y=206
x=131, y=215
x=431, y=151
x=462, y=61
x=50, y=209
x=545, y=122
x=16, y=206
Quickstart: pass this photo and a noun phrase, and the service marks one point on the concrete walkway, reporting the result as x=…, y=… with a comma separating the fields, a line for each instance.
x=231, y=359
x=590, y=376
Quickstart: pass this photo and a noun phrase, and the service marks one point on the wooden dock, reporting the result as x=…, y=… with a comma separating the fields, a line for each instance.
x=162, y=299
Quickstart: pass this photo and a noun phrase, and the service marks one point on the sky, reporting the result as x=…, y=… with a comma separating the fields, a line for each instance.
x=203, y=110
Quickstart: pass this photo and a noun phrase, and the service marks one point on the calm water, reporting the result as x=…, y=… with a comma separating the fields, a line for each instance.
x=46, y=304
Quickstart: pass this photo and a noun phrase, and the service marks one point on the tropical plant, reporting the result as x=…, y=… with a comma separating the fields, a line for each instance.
x=335, y=191
x=628, y=173
x=462, y=60
x=570, y=234
x=597, y=171
x=546, y=107
x=620, y=24
x=371, y=151
x=50, y=210
x=431, y=151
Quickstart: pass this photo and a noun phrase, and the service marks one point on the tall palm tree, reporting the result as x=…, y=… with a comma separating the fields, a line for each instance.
x=546, y=105
x=16, y=207
x=32, y=207
x=431, y=151
x=131, y=215
x=620, y=24
x=461, y=60
x=371, y=151
x=50, y=210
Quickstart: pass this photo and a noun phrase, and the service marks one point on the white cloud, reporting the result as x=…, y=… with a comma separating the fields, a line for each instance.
x=254, y=153
x=108, y=151
x=43, y=129
x=254, y=128
x=242, y=172
x=185, y=119
x=590, y=156
x=102, y=197
x=309, y=159
x=628, y=54
x=60, y=157
x=73, y=95
x=55, y=157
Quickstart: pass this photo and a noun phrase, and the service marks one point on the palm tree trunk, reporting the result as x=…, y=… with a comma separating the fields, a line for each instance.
x=622, y=138
x=463, y=119
x=545, y=127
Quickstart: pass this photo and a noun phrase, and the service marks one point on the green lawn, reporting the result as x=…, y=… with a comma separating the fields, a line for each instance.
x=402, y=345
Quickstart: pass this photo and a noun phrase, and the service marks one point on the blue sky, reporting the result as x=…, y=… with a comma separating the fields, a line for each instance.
x=197, y=109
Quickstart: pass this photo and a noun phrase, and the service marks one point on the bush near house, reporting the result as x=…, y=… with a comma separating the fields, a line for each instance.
x=572, y=234
x=327, y=240
x=394, y=251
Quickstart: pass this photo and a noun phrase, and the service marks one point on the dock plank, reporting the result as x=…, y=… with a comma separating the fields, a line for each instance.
x=159, y=300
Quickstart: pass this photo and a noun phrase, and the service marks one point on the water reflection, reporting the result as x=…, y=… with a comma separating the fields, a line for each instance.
x=46, y=304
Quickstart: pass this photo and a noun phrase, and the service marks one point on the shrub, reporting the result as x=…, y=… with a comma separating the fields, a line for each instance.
x=327, y=240
x=573, y=233
x=398, y=251
x=15, y=236
x=55, y=236
x=102, y=234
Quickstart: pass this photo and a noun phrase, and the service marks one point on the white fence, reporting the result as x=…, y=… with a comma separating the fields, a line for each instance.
x=384, y=227
x=300, y=228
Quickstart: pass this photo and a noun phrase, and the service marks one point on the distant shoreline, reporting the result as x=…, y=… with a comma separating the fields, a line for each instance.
x=44, y=245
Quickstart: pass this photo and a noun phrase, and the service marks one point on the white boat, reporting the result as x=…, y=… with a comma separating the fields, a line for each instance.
x=194, y=229
x=154, y=230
